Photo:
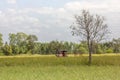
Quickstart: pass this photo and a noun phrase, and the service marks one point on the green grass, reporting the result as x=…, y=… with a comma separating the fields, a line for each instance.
x=53, y=68
x=98, y=60
x=60, y=73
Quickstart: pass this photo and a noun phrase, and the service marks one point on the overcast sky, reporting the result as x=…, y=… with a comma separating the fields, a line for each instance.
x=50, y=19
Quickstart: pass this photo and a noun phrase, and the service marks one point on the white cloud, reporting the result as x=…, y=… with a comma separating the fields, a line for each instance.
x=52, y=23
x=11, y=1
x=0, y=12
x=106, y=5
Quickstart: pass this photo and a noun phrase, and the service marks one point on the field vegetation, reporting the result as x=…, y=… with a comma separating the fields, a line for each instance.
x=49, y=67
x=52, y=60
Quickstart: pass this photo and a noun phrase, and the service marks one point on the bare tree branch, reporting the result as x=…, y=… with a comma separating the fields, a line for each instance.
x=90, y=27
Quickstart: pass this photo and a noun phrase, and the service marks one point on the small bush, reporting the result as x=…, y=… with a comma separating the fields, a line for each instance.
x=109, y=51
x=83, y=50
x=99, y=51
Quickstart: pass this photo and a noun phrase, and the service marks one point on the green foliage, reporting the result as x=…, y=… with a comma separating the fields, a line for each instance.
x=1, y=44
x=109, y=50
x=83, y=50
x=18, y=42
x=116, y=45
x=15, y=50
x=1, y=54
x=7, y=50
x=22, y=43
x=99, y=50
x=31, y=43
x=12, y=39
x=1, y=40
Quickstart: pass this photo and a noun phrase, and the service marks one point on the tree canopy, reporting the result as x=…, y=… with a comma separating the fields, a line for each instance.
x=91, y=28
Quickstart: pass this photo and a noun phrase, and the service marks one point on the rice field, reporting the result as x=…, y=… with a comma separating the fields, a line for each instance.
x=37, y=67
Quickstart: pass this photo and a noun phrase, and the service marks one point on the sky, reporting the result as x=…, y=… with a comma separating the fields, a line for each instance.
x=50, y=19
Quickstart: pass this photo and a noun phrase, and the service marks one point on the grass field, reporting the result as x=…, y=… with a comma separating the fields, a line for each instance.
x=104, y=67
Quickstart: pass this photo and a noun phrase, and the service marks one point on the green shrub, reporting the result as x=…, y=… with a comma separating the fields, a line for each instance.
x=109, y=51
x=1, y=54
x=99, y=51
x=7, y=50
x=83, y=50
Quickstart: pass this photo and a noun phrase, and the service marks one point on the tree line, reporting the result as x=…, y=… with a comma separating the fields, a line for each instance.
x=22, y=43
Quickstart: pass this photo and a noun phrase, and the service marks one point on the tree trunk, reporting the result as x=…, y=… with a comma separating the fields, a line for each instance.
x=90, y=52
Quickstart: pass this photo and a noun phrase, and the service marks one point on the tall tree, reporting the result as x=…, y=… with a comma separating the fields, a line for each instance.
x=116, y=45
x=21, y=38
x=31, y=42
x=18, y=42
x=1, y=40
x=22, y=42
x=90, y=28
x=1, y=43
x=7, y=50
x=12, y=38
